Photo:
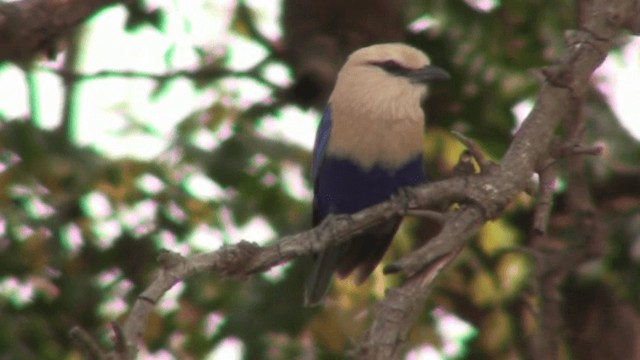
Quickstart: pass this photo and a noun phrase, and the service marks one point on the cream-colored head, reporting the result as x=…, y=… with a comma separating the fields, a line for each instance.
x=376, y=113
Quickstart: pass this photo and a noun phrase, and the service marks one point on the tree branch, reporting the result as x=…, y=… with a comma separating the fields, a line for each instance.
x=208, y=72
x=483, y=196
x=491, y=190
x=246, y=258
x=395, y=315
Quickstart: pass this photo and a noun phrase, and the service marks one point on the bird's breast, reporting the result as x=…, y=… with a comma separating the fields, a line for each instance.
x=370, y=137
x=343, y=186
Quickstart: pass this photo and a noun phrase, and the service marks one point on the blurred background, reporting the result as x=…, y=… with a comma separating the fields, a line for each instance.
x=188, y=125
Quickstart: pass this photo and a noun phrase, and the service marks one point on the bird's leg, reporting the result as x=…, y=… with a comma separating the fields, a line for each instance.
x=403, y=199
x=335, y=223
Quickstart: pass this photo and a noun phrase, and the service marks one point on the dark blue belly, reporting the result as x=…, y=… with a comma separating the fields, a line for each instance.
x=344, y=188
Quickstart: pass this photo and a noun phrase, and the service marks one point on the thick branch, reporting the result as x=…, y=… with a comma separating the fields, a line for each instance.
x=245, y=258
x=566, y=81
x=490, y=192
x=483, y=197
x=397, y=311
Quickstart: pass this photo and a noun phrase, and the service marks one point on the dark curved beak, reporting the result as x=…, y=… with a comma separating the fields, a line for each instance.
x=429, y=74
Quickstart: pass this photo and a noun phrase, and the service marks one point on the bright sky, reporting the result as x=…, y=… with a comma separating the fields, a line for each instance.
x=619, y=79
x=107, y=107
x=621, y=83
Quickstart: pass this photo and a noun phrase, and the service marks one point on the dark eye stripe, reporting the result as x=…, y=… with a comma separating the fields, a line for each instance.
x=392, y=67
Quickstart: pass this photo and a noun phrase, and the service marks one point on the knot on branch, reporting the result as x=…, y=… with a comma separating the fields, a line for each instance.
x=567, y=72
x=484, y=194
x=170, y=260
x=234, y=259
x=579, y=38
x=559, y=76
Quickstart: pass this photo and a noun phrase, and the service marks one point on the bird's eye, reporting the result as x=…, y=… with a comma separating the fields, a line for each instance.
x=392, y=67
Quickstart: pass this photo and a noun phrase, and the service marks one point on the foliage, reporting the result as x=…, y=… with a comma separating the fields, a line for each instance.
x=80, y=230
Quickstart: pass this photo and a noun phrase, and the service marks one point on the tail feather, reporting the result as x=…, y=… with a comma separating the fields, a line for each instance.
x=365, y=252
x=323, y=268
x=361, y=254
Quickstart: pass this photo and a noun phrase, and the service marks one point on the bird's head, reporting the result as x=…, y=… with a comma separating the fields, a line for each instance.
x=386, y=72
x=376, y=104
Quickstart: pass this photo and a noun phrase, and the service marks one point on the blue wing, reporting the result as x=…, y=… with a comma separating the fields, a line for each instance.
x=343, y=187
x=320, y=146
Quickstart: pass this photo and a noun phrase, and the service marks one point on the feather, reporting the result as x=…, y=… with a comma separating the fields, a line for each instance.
x=320, y=145
x=368, y=146
x=343, y=187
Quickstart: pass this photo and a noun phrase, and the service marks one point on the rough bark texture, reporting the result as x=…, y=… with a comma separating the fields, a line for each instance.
x=319, y=35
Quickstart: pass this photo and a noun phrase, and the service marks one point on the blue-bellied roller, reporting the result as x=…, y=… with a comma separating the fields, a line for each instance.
x=367, y=147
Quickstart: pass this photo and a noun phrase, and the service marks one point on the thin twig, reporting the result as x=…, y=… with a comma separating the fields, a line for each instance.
x=243, y=12
x=546, y=187
x=484, y=195
x=86, y=344
x=477, y=154
x=208, y=72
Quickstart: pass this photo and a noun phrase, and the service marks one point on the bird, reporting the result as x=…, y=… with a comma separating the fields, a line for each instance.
x=367, y=147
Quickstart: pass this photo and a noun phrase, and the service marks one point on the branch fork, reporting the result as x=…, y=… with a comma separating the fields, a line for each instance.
x=489, y=192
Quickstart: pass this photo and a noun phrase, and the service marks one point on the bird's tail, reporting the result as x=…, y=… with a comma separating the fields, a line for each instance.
x=321, y=274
